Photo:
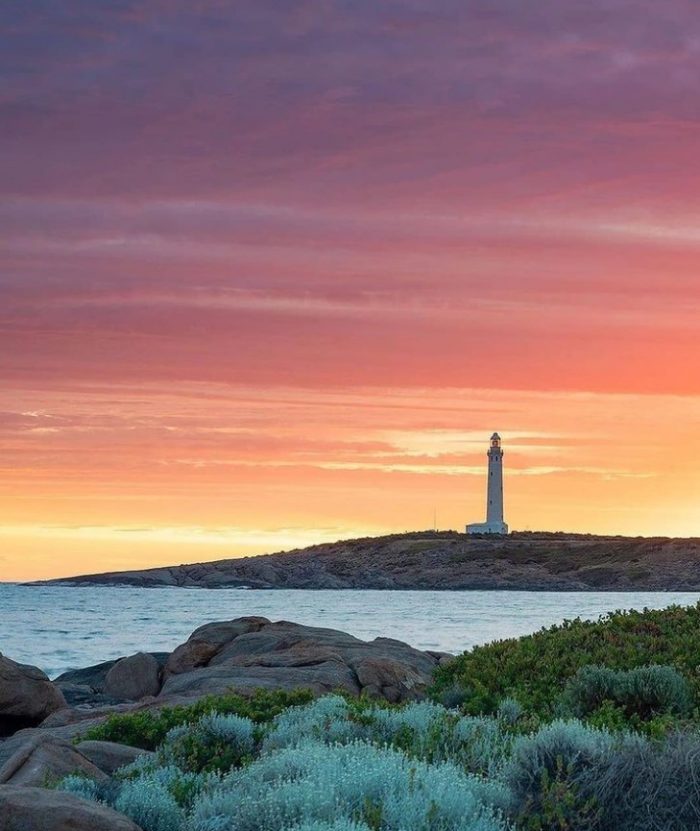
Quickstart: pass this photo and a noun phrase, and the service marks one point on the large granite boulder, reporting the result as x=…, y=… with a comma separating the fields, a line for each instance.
x=39, y=809
x=86, y=686
x=92, y=676
x=250, y=653
x=41, y=760
x=134, y=677
x=110, y=756
x=26, y=695
x=204, y=643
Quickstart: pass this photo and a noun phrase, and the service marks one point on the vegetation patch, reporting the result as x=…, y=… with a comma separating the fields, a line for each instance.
x=148, y=729
x=581, y=727
x=541, y=671
x=340, y=765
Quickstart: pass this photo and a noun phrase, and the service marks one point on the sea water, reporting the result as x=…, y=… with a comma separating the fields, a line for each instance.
x=59, y=627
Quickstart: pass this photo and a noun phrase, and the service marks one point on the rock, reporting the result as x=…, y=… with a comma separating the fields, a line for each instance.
x=110, y=756
x=26, y=696
x=396, y=680
x=70, y=715
x=320, y=679
x=92, y=676
x=78, y=695
x=447, y=560
x=251, y=653
x=204, y=643
x=87, y=685
x=38, y=809
x=134, y=677
x=40, y=761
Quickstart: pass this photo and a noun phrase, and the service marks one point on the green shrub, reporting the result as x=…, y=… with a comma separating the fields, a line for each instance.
x=535, y=669
x=640, y=694
x=544, y=775
x=509, y=712
x=214, y=743
x=148, y=729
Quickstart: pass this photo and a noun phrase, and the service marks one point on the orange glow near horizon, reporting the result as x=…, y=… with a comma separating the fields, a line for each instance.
x=158, y=478
x=271, y=274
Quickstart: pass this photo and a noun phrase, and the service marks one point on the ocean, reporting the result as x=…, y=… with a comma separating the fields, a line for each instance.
x=59, y=628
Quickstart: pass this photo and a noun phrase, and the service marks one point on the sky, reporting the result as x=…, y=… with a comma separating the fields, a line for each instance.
x=271, y=273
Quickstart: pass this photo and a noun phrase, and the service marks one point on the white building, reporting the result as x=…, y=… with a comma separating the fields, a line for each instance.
x=494, y=493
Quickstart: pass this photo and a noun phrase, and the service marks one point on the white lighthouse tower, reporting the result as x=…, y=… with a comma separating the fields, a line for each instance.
x=494, y=493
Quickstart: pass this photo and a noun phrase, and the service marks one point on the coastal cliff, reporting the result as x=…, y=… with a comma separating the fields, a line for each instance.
x=445, y=560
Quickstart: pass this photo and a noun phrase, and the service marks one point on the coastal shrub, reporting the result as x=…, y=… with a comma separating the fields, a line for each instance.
x=646, y=785
x=545, y=774
x=423, y=729
x=453, y=695
x=536, y=669
x=641, y=693
x=80, y=786
x=356, y=782
x=148, y=729
x=215, y=743
x=509, y=711
x=430, y=732
x=479, y=745
x=328, y=719
x=150, y=805
x=342, y=824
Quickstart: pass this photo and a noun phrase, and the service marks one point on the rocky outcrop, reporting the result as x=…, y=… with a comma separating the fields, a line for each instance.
x=447, y=560
x=133, y=678
x=39, y=809
x=42, y=760
x=88, y=685
x=92, y=676
x=26, y=695
x=110, y=756
x=204, y=643
x=241, y=655
x=253, y=653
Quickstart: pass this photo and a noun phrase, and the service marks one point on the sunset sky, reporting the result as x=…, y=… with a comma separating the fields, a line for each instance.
x=273, y=272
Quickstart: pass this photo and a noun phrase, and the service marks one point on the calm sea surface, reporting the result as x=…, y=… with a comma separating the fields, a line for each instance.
x=60, y=628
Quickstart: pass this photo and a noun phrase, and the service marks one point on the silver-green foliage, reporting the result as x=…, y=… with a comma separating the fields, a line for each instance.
x=424, y=730
x=342, y=824
x=327, y=719
x=641, y=691
x=356, y=782
x=214, y=742
x=509, y=711
x=150, y=805
x=561, y=752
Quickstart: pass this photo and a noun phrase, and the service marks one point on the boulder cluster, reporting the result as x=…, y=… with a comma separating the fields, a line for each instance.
x=42, y=720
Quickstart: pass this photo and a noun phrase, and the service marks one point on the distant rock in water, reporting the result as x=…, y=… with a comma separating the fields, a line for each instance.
x=445, y=560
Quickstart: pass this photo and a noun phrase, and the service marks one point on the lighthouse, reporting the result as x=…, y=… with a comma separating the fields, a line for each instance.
x=495, y=523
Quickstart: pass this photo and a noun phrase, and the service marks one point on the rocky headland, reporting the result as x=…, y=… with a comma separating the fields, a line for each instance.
x=243, y=655
x=42, y=721
x=445, y=560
